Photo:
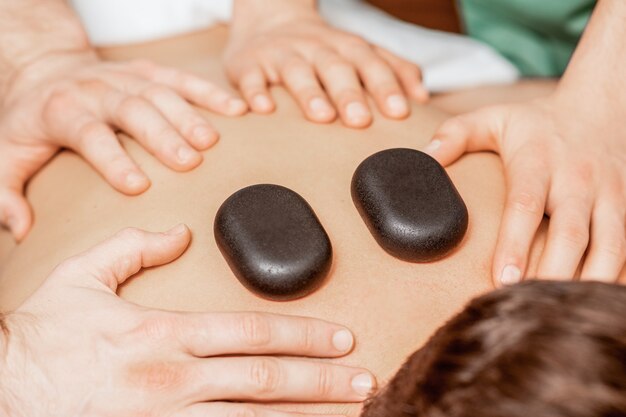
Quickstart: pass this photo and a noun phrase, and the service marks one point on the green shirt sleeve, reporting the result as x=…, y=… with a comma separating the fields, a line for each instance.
x=537, y=36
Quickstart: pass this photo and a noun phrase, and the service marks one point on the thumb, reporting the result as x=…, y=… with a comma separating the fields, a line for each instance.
x=118, y=258
x=15, y=213
x=472, y=132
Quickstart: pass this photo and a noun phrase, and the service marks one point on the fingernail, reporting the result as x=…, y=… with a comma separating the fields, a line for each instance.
x=237, y=106
x=135, y=180
x=433, y=146
x=320, y=106
x=177, y=230
x=343, y=340
x=397, y=105
x=185, y=155
x=204, y=136
x=357, y=111
x=261, y=102
x=510, y=275
x=363, y=384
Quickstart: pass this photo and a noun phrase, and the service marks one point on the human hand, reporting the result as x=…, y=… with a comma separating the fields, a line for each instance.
x=75, y=349
x=75, y=101
x=325, y=69
x=561, y=159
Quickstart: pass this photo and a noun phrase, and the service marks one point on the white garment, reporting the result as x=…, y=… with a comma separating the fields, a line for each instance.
x=118, y=22
x=449, y=61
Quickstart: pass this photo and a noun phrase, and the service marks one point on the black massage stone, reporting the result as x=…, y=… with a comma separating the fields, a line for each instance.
x=409, y=204
x=273, y=242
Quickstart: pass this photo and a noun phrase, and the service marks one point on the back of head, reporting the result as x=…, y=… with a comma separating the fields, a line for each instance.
x=538, y=349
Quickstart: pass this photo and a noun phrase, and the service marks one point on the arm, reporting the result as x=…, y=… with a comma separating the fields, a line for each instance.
x=249, y=12
x=56, y=93
x=563, y=156
x=596, y=71
x=123, y=359
x=326, y=70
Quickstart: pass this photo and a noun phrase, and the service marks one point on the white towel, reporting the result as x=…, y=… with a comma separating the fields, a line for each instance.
x=449, y=61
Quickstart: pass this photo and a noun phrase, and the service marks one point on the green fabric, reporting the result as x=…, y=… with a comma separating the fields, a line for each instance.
x=538, y=36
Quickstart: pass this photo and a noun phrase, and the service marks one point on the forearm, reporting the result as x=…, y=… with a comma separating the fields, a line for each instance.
x=30, y=29
x=597, y=67
x=248, y=12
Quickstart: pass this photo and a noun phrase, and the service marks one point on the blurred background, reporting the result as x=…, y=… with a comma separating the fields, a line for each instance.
x=433, y=14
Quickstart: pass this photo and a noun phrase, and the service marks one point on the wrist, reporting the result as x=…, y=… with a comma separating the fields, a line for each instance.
x=599, y=102
x=31, y=29
x=267, y=13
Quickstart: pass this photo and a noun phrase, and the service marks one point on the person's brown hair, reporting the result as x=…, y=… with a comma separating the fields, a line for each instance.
x=538, y=349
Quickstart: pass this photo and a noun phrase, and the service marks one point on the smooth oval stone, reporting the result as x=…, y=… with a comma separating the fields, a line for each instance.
x=409, y=204
x=273, y=242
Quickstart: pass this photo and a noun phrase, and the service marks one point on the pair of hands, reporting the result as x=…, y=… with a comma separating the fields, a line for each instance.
x=74, y=348
x=74, y=100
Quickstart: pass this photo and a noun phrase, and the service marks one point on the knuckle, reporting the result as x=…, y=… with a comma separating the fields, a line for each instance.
x=295, y=66
x=337, y=66
x=156, y=91
x=409, y=69
x=68, y=266
x=452, y=127
x=255, y=330
x=58, y=103
x=129, y=106
x=616, y=188
x=159, y=376
x=376, y=68
x=614, y=246
x=527, y=203
x=307, y=337
x=178, y=79
x=156, y=328
x=584, y=172
x=575, y=234
x=131, y=234
x=352, y=42
x=325, y=381
x=265, y=375
x=93, y=134
x=167, y=138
